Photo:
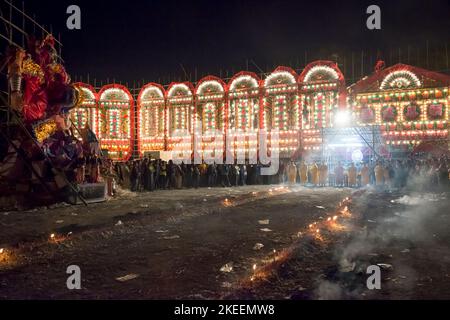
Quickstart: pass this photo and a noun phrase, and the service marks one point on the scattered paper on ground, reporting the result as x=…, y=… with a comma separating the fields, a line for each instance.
x=227, y=268
x=258, y=246
x=385, y=266
x=128, y=277
x=171, y=237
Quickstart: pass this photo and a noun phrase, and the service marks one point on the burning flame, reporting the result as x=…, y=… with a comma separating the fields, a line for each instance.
x=52, y=236
x=2, y=250
x=227, y=202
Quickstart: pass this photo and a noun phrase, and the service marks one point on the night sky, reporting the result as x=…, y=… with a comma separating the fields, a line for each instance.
x=155, y=40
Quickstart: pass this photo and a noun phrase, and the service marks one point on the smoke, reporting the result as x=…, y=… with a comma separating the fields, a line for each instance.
x=389, y=229
x=329, y=291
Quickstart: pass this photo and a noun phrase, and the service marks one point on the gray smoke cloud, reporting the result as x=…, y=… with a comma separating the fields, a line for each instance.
x=405, y=224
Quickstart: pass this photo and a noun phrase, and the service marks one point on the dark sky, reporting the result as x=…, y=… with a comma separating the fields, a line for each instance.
x=134, y=40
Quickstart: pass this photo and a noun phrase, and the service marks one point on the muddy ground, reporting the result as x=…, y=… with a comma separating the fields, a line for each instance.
x=254, y=242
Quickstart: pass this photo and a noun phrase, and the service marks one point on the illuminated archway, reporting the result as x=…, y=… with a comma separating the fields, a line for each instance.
x=180, y=115
x=87, y=112
x=323, y=93
x=210, y=113
x=116, y=121
x=243, y=92
x=281, y=111
x=244, y=117
x=151, y=113
x=400, y=79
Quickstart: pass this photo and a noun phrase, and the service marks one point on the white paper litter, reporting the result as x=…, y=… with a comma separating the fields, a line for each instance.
x=258, y=246
x=385, y=266
x=227, y=268
x=128, y=277
x=171, y=237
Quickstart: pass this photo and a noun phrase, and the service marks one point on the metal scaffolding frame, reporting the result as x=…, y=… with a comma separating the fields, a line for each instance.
x=370, y=136
x=15, y=27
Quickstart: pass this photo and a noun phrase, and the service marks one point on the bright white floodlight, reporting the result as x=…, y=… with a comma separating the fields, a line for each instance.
x=342, y=118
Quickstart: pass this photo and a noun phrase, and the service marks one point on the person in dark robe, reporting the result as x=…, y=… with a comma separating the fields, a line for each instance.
x=163, y=175
x=178, y=176
x=95, y=169
x=145, y=175
x=152, y=172
x=225, y=173
x=134, y=176
x=189, y=175
x=243, y=174
x=236, y=174
x=210, y=174
x=171, y=174
x=196, y=176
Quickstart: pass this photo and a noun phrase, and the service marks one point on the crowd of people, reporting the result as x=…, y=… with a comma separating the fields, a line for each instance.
x=150, y=175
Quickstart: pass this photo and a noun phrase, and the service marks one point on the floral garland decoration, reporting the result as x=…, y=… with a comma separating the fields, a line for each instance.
x=44, y=129
x=389, y=113
x=436, y=111
x=411, y=111
x=367, y=113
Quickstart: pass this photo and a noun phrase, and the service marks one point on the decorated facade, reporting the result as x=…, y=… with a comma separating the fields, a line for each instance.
x=151, y=118
x=180, y=116
x=244, y=113
x=322, y=91
x=211, y=114
x=281, y=108
x=86, y=114
x=116, y=123
x=408, y=105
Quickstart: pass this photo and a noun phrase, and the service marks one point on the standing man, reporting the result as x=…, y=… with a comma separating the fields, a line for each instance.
x=163, y=175
x=339, y=174
x=303, y=173
x=225, y=179
x=152, y=171
x=352, y=176
x=379, y=174
x=323, y=174
x=315, y=174
x=196, y=176
x=292, y=172
x=243, y=174
x=236, y=171
x=365, y=175
x=211, y=175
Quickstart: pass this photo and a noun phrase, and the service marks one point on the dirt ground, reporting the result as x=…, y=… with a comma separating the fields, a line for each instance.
x=254, y=242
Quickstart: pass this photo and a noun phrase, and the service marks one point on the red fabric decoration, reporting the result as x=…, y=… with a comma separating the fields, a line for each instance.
x=34, y=100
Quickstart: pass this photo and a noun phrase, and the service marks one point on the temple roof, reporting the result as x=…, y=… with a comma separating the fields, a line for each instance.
x=400, y=76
